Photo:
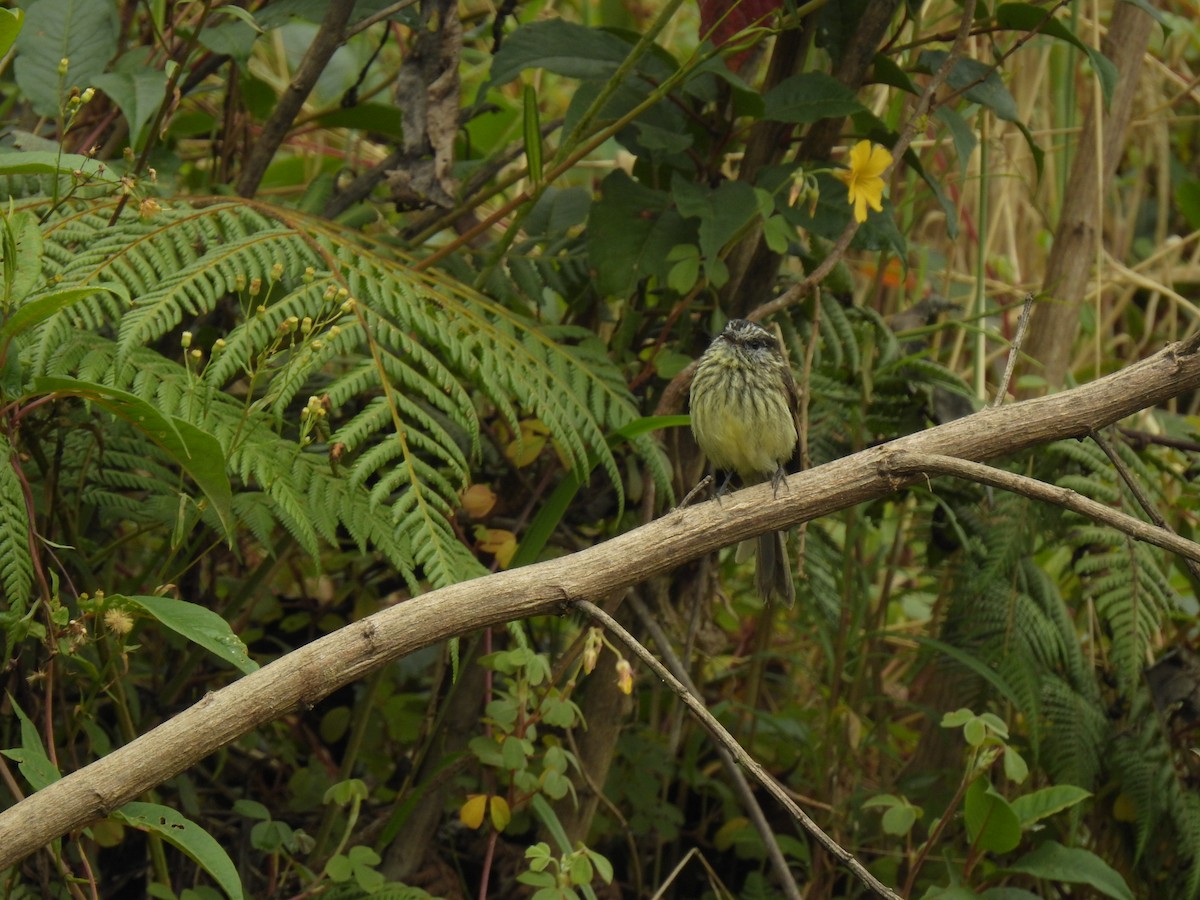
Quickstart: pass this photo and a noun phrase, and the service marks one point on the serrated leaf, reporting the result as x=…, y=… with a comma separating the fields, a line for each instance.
x=631, y=228
x=559, y=46
x=83, y=32
x=833, y=211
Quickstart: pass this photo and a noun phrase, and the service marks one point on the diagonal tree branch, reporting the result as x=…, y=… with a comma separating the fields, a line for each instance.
x=329, y=37
x=310, y=673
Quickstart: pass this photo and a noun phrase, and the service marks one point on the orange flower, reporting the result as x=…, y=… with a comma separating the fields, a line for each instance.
x=864, y=178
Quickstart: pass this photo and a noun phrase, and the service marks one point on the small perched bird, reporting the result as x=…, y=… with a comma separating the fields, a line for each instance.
x=744, y=408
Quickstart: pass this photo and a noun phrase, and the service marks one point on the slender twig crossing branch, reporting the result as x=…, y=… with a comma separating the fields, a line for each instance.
x=741, y=787
x=730, y=745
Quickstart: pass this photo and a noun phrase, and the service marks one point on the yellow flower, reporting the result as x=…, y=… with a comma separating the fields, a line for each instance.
x=864, y=178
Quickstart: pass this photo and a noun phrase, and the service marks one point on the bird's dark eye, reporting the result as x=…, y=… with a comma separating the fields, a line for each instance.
x=760, y=342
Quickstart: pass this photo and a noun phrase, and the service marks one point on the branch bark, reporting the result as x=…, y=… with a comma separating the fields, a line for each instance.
x=329, y=37
x=1055, y=324
x=305, y=676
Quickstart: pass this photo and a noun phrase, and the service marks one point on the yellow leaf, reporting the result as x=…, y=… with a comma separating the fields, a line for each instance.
x=471, y=813
x=477, y=500
x=500, y=543
x=528, y=448
x=500, y=813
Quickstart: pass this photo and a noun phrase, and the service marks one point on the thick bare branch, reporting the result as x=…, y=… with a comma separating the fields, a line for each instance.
x=305, y=676
x=1056, y=320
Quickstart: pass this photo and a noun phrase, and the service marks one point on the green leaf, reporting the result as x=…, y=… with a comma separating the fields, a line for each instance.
x=808, y=97
x=833, y=212
x=31, y=758
x=899, y=820
x=41, y=308
x=196, y=451
x=991, y=822
x=10, y=26
x=558, y=46
x=16, y=560
x=685, y=268
x=1041, y=804
x=974, y=664
x=630, y=231
x=722, y=213
x=982, y=83
x=198, y=624
x=137, y=94
x=84, y=32
x=533, y=134
x=1187, y=198
x=1026, y=17
x=962, y=134
x=377, y=117
x=1054, y=862
x=1015, y=767
x=22, y=251
x=188, y=837
x=43, y=162
x=232, y=39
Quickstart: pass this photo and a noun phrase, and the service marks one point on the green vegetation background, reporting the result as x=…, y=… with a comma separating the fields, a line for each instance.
x=310, y=308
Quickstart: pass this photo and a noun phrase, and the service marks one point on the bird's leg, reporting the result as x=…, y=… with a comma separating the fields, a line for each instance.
x=779, y=477
x=724, y=488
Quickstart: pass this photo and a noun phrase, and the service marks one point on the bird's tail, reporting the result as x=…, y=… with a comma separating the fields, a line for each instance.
x=773, y=572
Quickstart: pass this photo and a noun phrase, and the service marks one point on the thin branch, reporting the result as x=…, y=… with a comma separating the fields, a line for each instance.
x=905, y=464
x=1144, y=501
x=729, y=745
x=385, y=13
x=1014, y=350
x=329, y=37
x=741, y=787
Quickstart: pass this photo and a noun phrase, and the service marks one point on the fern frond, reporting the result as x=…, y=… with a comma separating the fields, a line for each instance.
x=16, y=564
x=404, y=370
